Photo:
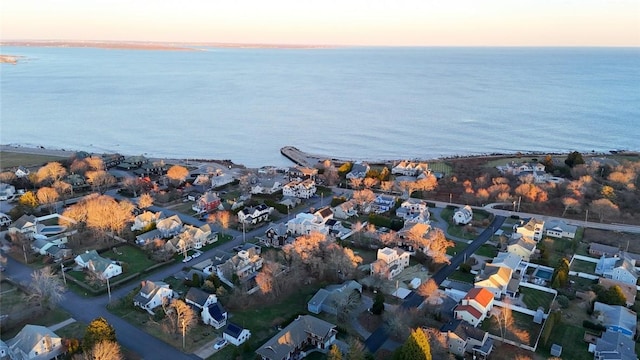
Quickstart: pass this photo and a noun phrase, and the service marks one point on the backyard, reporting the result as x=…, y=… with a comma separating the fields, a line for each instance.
x=583, y=266
x=523, y=330
x=571, y=338
x=534, y=298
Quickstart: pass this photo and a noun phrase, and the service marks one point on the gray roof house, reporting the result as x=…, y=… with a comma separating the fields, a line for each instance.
x=305, y=331
x=152, y=294
x=560, y=229
x=616, y=318
x=614, y=346
x=236, y=334
x=200, y=298
x=35, y=342
x=332, y=296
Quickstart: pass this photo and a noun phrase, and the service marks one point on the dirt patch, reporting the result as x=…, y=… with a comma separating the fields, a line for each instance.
x=510, y=352
x=369, y=321
x=621, y=240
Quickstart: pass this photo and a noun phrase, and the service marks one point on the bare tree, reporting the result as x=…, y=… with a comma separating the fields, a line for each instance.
x=370, y=182
x=105, y=350
x=185, y=317
x=46, y=288
x=47, y=196
x=604, y=208
x=101, y=212
x=133, y=184
x=570, y=203
x=222, y=218
x=177, y=174
x=100, y=180
x=437, y=245
x=386, y=186
x=355, y=183
x=7, y=177
x=145, y=201
x=50, y=173
x=63, y=188
x=363, y=197
x=428, y=288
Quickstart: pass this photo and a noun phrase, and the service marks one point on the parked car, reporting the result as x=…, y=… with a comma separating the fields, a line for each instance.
x=186, y=259
x=220, y=344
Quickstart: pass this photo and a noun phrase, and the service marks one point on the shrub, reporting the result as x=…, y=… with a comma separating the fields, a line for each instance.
x=465, y=267
x=593, y=326
x=563, y=301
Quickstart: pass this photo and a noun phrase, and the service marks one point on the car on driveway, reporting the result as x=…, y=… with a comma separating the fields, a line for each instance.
x=220, y=344
x=188, y=258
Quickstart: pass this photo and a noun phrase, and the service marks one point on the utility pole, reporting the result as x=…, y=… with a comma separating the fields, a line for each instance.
x=109, y=289
x=586, y=217
x=244, y=240
x=64, y=278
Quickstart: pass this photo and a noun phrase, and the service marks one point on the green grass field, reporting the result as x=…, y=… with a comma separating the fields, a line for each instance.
x=135, y=259
x=522, y=324
x=535, y=298
x=570, y=337
x=583, y=266
x=462, y=276
x=12, y=159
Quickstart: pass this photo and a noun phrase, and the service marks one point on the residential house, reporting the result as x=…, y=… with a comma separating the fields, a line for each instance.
x=198, y=236
x=616, y=318
x=409, y=168
x=277, y=235
x=236, y=334
x=304, y=189
x=290, y=201
x=462, y=338
x=507, y=259
x=345, y=210
x=629, y=291
x=26, y=225
x=35, y=342
x=516, y=169
x=332, y=297
x=411, y=207
x=6, y=191
x=475, y=306
x=390, y=262
x=254, y=215
x=209, y=201
x=560, y=229
x=521, y=246
x=153, y=294
x=220, y=180
x=463, y=215
x=210, y=266
x=302, y=173
x=305, y=223
x=596, y=249
x=147, y=237
x=102, y=267
x=304, y=332
x=267, y=186
x=145, y=220
x=495, y=279
x=412, y=228
x=337, y=230
x=4, y=351
x=22, y=172
x=169, y=227
x=614, y=346
x=383, y=203
x=59, y=253
x=215, y=315
x=618, y=268
x=532, y=229
x=244, y=265
x=199, y=298
x=359, y=170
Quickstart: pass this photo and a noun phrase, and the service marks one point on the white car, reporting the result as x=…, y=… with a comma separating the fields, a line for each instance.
x=196, y=254
x=220, y=344
x=188, y=258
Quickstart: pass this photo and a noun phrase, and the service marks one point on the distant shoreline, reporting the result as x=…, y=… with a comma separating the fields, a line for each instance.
x=150, y=45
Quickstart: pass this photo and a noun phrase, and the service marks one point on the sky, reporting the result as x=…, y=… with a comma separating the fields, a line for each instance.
x=329, y=22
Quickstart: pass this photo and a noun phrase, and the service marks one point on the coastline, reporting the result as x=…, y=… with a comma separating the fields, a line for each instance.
x=151, y=45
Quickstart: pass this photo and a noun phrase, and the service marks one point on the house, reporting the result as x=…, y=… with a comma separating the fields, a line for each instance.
x=236, y=334
x=7, y=191
x=345, y=210
x=411, y=207
x=462, y=338
x=390, y=262
x=254, y=215
x=596, y=249
x=495, y=279
x=304, y=332
x=359, y=170
x=507, y=259
x=244, y=265
x=22, y=172
x=198, y=236
x=153, y=294
x=304, y=189
x=302, y=173
x=145, y=220
x=200, y=298
x=383, y=203
x=521, y=246
x=215, y=315
x=560, y=229
x=463, y=215
x=103, y=268
x=330, y=298
x=614, y=346
x=290, y=201
x=4, y=351
x=209, y=201
x=148, y=237
x=616, y=268
x=35, y=342
x=616, y=318
x=629, y=291
x=517, y=169
x=409, y=168
x=267, y=186
x=475, y=306
x=306, y=223
x=220, y=180
x=532, y=229
x=26, y=225
x=41, y=246
x=59, y=253
x=169, y=227
x=277, y=235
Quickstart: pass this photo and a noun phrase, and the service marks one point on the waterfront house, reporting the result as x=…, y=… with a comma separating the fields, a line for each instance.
x=236, y=334
x=463, y=215
x=102, y=267
x=266, y=186
x=409, y=168
x=35, y=342
x=304, y=332
x=153, y=294
x=359, y=170
x=302, y=173
x=390, y=262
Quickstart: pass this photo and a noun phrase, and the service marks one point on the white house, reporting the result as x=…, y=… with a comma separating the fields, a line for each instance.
x=414, y=210
x=236, y=334
x=153, y=294
x=620, y=269
x=409, y=168
x=390, y=262
x=304, y=189
x=35, y=342
x=26, y=225
x=269, y=186
x=254, y=215
x=495, y=279
x=145, y=219
x=170, y=226
x=532, y=229
x=345, y=210
x=103, y=268
x=521, y=246
x=305, y=331
x=560, y=229
x=245, y=264
x=463, y=215
x=383, y=203
x=215, y=315
x=6, y=191
x=462, y=338
x=22, y=172
x=200, y=298
x=475, y=306
x=358, y=170
x=305, y=223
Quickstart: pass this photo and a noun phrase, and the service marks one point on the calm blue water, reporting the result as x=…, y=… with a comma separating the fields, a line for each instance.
x=360, y=103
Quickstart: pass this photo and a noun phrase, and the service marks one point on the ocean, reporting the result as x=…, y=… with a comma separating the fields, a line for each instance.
x=355, y=103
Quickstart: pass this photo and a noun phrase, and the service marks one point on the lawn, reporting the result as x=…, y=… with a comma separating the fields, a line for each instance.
x=522, y=324
x=184, y=208
x=570, y=337
x=135, y=259
x=487, y=250
x=462, y=276
x=535, y=298
x=552, y=250
x=583, y=266
x=13, y=159
x=459, y=246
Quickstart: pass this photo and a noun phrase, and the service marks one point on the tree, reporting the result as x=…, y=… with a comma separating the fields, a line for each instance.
x=185, y=317
x=334, y=353
x=133, y=184
x=560, y=274
x=105, y=350
x=7, y=177
x=570, y=203
x=604, y=208
x=573, y=159
x=548, y=164
x=356, y=349
x=437, y=245
x=177, y=174
x=145, y=201
x=386, y=186
x=370, y=182
x=101, y=213
x=99, y=330
x=355, y=182
x=611, y=296
x=363, y=197
x=47, y=196
x=62, y=188
x=46, y=288
x=50, y=173
x=29, y=200
x=428, y=288
x=222, y=218
x=415, y=348
x=100, y=180
x=608, y=192
x=378, y=304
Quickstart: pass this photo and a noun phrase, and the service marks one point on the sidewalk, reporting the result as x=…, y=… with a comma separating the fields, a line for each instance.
x=60, y=325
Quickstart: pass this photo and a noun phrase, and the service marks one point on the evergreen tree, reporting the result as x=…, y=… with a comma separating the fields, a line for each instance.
x=98, y=330
x=415, y=348
x=334, y=353
x=378, y=304
x=573, y=159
